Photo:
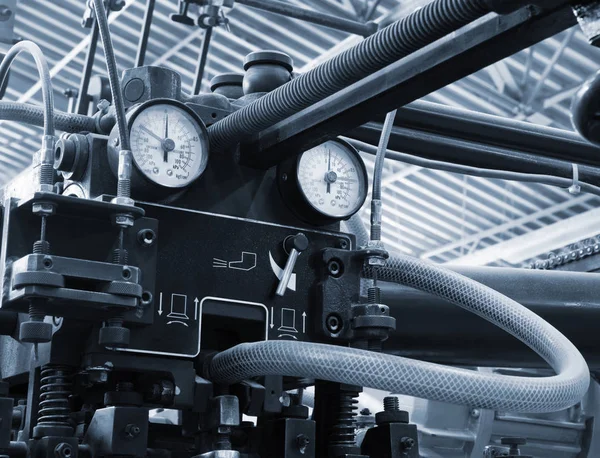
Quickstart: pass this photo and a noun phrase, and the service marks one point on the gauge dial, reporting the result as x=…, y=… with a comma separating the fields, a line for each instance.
x=169, y=143
x=325, y=184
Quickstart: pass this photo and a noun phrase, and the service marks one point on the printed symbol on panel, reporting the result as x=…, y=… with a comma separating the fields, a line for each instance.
x=288, y=320
x=178, y=309
x=278, y=271
x=246, y=263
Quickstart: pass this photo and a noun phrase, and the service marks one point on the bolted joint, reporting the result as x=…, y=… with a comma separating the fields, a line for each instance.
x=63, y=450
x=378, y=256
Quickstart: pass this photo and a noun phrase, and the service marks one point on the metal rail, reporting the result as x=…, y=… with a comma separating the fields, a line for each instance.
x=314, y=17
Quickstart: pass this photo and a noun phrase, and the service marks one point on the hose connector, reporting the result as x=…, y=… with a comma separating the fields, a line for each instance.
x=43, y=165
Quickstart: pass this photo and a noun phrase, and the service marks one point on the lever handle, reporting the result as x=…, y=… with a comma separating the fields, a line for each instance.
x=294, y=245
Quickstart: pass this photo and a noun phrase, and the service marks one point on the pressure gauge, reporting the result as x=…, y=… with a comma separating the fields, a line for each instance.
x=169, y=143
x=325, y=184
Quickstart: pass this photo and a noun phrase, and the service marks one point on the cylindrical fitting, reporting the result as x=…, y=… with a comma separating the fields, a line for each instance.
x=228, y=84
x=266, y=71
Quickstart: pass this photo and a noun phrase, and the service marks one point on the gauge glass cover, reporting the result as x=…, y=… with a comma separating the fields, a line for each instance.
x=169, y=146
x=332, y=178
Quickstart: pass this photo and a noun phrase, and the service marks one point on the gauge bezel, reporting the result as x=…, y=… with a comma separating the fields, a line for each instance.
x=295, y=197
x=203, y=138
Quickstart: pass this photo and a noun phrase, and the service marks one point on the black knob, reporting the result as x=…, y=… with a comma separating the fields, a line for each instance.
x=297, y=242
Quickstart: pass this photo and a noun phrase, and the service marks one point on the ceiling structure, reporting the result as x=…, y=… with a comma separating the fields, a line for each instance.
x=436, y=215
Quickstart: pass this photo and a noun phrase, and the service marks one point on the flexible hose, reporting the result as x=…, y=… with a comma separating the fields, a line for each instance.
x=34, y=115
x=423, y=379
x=376, y=204
x=424, y=26
x=113, y=74
x=45, y=79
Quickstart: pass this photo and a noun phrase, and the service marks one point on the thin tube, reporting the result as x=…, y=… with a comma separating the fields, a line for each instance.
x=45, y=78
x=34, y=116
x=476, y=171
x=113, y=74
x=376, y=204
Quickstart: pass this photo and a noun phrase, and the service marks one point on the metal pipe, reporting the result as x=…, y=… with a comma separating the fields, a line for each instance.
x=303, y=14
x=83, y=99
x=143, y=43
x=432, y=329
x=202, y=60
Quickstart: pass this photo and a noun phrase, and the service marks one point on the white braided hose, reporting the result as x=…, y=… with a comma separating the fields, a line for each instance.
x=423, y=379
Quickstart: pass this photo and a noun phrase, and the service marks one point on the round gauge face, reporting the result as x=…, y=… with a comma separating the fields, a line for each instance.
x=333, y=179
x=169, y=144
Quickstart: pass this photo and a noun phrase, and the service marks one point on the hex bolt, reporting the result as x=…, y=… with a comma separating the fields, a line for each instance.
x=302, y=441
x=406, y=443
x=63, y=450
x=132, y=431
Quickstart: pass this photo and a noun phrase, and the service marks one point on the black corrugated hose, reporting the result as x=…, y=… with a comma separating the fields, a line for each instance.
x=424, y=26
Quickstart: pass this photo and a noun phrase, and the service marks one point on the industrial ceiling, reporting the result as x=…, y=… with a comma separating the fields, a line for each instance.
x=434, y=215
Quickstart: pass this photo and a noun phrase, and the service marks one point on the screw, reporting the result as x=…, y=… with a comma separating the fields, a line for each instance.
x=302, y=441
x=343, y=244
x=475, y=413
x=333, y=323
x=391, y=404
x=132, y=431
x=406, y=443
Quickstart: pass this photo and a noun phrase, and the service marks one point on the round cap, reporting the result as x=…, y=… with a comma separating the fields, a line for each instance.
x=269, y=57
x=226, y=79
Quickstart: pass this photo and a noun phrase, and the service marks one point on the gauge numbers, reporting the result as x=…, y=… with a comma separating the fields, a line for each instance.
x=169, y=145
x=333, y=179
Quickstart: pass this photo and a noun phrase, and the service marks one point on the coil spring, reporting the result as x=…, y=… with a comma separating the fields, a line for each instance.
x=343, y=430
x=55, y=388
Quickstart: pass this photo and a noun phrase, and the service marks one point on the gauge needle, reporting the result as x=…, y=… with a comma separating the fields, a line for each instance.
x=152, y=134
x=329, y=170
x=166, y=151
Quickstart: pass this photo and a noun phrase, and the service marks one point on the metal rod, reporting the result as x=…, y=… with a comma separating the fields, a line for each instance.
x=326, y=20
x=83, y=99
x=143, y=44
x=202, y=61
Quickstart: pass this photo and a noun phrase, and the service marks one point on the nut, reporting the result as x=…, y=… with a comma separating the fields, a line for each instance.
x=42, y=208
x=123, y=220
x=63, y=450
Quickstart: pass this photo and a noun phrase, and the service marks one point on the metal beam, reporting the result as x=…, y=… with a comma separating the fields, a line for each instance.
x=449, y=59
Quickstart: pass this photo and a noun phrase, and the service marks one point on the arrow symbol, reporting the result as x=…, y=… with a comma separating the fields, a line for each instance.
x=160, y=310
x=304, y=322
x=272, y=314
x=196, y=304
